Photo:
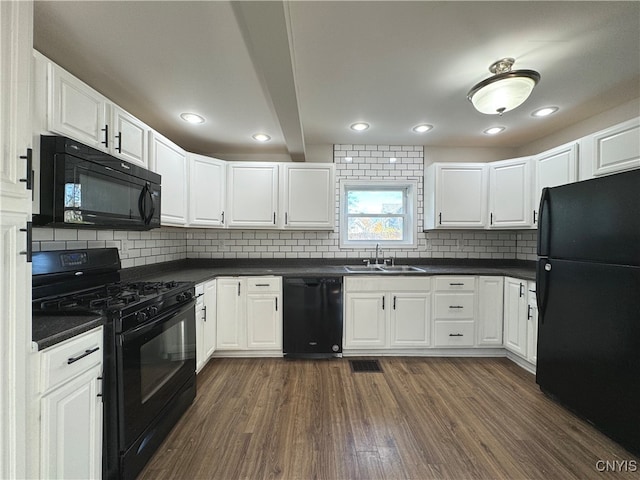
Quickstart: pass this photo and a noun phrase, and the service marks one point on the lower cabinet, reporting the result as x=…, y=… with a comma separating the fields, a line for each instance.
x=454, y=311
x=490, y=311
x=205, y=322
x=71, y=408
x=520, y=318
x=249, y=313
x=387, y=312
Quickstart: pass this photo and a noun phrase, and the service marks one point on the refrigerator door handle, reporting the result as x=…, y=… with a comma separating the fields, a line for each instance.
x=544, y=224
x=542, y=272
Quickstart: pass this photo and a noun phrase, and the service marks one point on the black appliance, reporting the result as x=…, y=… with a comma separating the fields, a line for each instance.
x=312, y=317
x=588, y=290
x=149, y=347
x=83, y=187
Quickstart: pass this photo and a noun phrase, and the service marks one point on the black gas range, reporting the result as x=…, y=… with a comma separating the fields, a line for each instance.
x=149, y=347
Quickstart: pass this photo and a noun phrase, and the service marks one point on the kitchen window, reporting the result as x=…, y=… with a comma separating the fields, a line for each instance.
x=378, y=213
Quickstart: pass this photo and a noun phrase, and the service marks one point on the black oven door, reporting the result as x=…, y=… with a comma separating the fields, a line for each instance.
x=154, y=361
x=96, y=195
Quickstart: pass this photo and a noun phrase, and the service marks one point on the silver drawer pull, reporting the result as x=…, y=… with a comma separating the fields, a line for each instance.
x=456, y=306
x=86, y=352
x=456, y=335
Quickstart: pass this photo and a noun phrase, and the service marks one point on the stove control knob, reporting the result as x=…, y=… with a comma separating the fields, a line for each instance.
x=153, y=310
x=141, y=317
x=181, y=297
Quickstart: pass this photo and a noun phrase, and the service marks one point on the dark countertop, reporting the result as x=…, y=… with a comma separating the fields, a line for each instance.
x=48, y=330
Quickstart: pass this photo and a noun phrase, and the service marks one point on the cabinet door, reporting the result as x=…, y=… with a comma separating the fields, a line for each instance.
x=410, y=319
x=308, y=196
x=365, y=319
x=129, y=137
x=515, y=315
x=510, y=194
x=555, y=167
x=230, y=314
x=490, y=308
x=170, y=161
x=252, y=198
x=71, y=435
x=206, y=191
x=532, y=324
x=76, y=110
x=209, y=323
x=617, y=148
x=461, y=192
x=264, y=321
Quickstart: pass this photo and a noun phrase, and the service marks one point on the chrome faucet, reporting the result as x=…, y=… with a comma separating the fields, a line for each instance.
x=378, y=249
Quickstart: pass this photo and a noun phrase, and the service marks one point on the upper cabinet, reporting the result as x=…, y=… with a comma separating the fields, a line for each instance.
x=308, y=196
x=252, y=195
x=207, y=191
x=615, y=149
x=510, y=194
x=76, y=110
x=558, y=166
x=129, y=137
x=455, y=195
x=170, y=161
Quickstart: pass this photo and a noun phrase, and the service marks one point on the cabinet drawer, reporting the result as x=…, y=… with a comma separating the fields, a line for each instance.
x=454, y=334
x=453, y=305
x=68, y=359
x=455, y=284
x=264, y=284
x=381, y=283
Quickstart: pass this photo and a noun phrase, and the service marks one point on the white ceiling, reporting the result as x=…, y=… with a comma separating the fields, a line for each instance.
x=304, y=71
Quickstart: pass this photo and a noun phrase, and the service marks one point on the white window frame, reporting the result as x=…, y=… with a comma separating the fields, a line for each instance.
x=410, y=218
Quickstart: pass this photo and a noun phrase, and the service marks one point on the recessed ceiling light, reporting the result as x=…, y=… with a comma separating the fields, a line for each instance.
x=543, y=112
x=261, y=137
x=494, y=130
x=359, y=127
x=422, y=128
x=192, y=117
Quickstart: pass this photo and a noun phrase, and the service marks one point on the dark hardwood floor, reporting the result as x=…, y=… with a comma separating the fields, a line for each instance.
x=422, y=418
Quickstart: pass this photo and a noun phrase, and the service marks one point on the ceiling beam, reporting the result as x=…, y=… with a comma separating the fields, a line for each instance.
x=266, y=31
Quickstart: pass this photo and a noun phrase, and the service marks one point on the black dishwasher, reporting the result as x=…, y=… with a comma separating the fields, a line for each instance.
x=312, y=317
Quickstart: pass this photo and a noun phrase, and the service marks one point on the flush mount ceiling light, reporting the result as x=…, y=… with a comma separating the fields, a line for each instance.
x=544, y=112
x=261, y=137
x=360, y=126
x=422, y=128
x=192, y=118
x=504, y=91
x=494, y=130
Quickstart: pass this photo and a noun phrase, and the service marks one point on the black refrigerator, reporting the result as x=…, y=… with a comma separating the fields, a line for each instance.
x=588, y=288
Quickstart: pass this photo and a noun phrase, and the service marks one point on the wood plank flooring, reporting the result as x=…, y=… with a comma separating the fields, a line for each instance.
x=422, y=418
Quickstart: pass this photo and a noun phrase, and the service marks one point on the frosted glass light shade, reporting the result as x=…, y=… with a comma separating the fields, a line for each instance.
x=503, y=92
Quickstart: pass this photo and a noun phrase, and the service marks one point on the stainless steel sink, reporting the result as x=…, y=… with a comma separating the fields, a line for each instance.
x=363, y=268
x=401, y=268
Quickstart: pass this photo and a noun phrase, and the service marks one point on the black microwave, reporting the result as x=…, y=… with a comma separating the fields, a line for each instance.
x=82, y=187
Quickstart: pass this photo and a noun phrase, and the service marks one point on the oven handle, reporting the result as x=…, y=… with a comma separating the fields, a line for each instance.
x=159, y=320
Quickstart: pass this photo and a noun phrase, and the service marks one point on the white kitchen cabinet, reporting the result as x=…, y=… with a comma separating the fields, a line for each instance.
x=249, y=313
x=614, y=149
x=252, y=195
x=264, y=313
x=558, y=166
x=532, y=323
x=170, y=161
x=71, y=408
x=456, y=195
x=205, y=322
x=129, y=137
x=230, y=314
x=207, y=190
x=16, y=28
x=510, y=189
x=308, y=196
x=385, y=313
x=76, y=110
x=454, y=301
x=490, y=311
x=515, y=315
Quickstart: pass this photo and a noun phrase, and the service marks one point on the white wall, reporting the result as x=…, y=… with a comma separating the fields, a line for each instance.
x=466, y=154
